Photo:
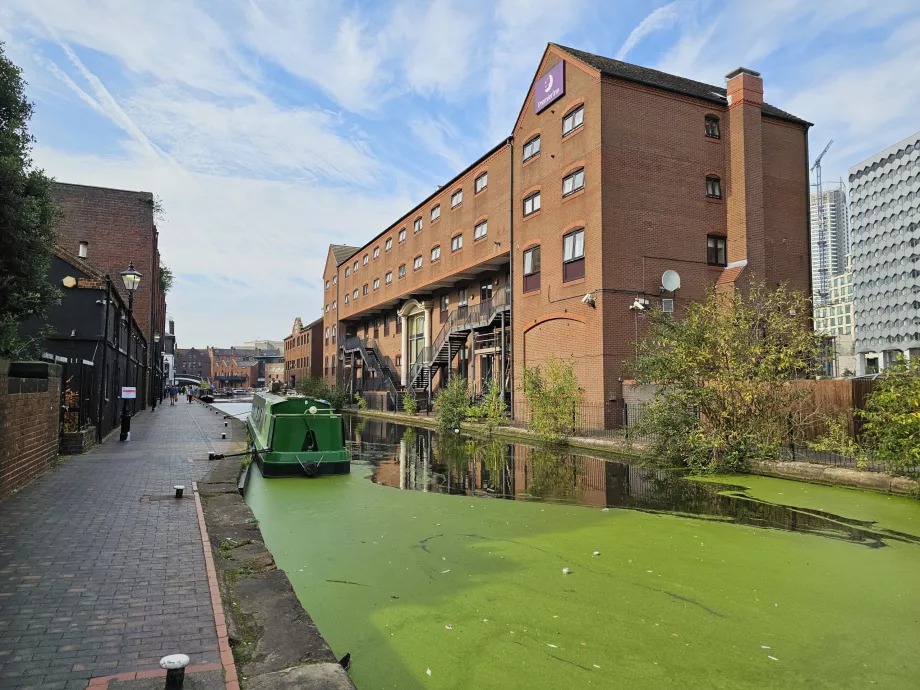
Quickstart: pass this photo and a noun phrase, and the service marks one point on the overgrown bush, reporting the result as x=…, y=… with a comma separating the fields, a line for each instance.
x=314, y=387
x=362, y=403
x=838, y=439
x=337, y=398
x=891, y=428
x=409, y=403
x=554, y=398
x=726, y=377
x=452, y=404
x=492, y=410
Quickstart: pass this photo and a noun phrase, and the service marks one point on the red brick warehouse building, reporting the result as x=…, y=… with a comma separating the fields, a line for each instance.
x=303, y=351
x=612, y=175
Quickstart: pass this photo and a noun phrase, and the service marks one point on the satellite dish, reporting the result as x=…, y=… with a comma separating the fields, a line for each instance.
x=670, y=281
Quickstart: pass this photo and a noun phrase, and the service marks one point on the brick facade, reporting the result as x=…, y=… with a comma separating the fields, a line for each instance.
x=29, y=421
x=194, y=361
x=303, y=350
x=117, y=227
x=668, y=165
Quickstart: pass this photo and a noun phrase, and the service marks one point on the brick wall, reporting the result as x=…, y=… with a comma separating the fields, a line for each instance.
x=29, y=421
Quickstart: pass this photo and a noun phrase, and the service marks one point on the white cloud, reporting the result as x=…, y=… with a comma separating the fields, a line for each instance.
x=660, y=18
x=442, y=139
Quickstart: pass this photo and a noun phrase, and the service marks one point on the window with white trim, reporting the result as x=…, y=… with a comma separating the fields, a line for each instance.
x=532, y=203
x=435, y=253
x=366, y=259
x=388, y=278
x=435, y=214
x=456, y=243
x=327, y=284
x=327, y=308
x=417, y=264
x=354, y=269
x=376, y=283
x=573, y=120
x=355, y=294
x=402, y=270
x=402, y=234
x=335, y=305
x=481, y=182
x=347, y=271
x=712, y=127
x=456, y=198
x=335, y=280
x=481, y=230
x=346, y=299
x=365, y=289
x=376, y=252
x=532, y=269
x=532, y=148
x=572, y=182
x=388, y=245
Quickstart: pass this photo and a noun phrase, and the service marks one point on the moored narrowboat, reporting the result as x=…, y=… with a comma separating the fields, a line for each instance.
x=297, y=436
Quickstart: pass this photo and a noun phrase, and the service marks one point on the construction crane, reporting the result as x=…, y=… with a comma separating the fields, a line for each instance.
x=822, y=228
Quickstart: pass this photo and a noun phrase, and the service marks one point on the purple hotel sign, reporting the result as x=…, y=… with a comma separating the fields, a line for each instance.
x=550, y=87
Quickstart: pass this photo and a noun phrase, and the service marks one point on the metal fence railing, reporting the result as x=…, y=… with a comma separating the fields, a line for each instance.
x=614, y=419
x=78, y=408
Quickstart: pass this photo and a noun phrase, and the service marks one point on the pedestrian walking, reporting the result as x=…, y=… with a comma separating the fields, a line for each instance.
x=173, y=394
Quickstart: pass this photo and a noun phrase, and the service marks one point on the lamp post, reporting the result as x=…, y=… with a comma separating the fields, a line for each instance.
x=132, y=279
x=157, y=370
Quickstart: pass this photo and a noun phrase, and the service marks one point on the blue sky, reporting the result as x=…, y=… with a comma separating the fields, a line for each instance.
x=271, y=128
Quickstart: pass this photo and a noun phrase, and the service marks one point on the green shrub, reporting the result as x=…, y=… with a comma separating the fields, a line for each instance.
x=452, y=404
x=492, y=410
x=409, y=403
x=554, y=397
x=362, y=403
x=891, y=429
x=337, y=398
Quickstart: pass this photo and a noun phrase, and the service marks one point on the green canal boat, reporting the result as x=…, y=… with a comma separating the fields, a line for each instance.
x=294, y=437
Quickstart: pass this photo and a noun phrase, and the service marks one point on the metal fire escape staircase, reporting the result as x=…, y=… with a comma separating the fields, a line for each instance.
x=454, y=333
x=373, y=361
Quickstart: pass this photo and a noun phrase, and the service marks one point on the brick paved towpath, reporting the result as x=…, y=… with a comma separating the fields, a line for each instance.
x=102, y=571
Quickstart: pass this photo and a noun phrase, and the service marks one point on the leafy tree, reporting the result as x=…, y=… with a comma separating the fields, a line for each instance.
x=725, y=374
x=452, y=404
x=362, y=403
x=554, y=398
x=491, y=411
x=314, y=387
x=166, y=278
x=27, y=218
x=891, y=429
x=337, y=398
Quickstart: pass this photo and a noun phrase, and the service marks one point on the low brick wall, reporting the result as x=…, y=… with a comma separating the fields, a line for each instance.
x=30, y=395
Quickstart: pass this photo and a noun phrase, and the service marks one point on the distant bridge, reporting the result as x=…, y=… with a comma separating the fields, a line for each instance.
x=188, y=378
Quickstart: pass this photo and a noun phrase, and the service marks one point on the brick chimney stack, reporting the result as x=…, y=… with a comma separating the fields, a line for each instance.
x=744, y=202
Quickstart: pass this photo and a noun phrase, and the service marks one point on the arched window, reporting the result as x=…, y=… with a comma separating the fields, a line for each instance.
x=573, y=120
x=573, y=255
x=713, y=187
x=712, y=127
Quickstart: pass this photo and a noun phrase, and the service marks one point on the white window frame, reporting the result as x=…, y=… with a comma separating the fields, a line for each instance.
x=535, y=203
x=570, y=249
x=347, y=271
x=456, y=243
x=402, y=270
x=482, y=182
x=346, y=299
x=417, y=262
x=456, y=198
x=376, y=283
x=355, y=294
x=354, y=269
x=484, y=226
x=435, y=253
x=435, y=212
x=575, y=181
x=532, y=145
x=377, y=252
x=402, y=235
x=388, y=245
x=365, y=289
x=573, y=120
x=366, y=259
x=388, y=278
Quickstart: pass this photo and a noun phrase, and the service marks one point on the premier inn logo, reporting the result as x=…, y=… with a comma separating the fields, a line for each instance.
x=550, y=87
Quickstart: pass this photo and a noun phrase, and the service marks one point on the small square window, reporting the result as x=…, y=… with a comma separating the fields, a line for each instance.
x=532, y=148
x=715, y=250
x=532, y=204
x=573, y=120
x=456, y=243
x=456, y=198
x=417, y=264
x=481, y=230
x=435, y=253
x=435, y=214
x=482, y=182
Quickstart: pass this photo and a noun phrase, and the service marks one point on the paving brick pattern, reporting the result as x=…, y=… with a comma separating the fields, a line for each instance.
x=95, y=581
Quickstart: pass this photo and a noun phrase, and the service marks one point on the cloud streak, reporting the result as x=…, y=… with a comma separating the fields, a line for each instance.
x=664, y=17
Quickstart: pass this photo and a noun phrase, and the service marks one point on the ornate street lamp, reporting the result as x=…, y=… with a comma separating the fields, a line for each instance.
x=156, y=370
x=132, y=279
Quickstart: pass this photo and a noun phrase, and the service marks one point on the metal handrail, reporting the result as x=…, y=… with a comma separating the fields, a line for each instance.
x=363, y=345
x=483, y=312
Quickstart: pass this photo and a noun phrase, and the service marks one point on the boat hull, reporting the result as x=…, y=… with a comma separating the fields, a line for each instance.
x=309, y=464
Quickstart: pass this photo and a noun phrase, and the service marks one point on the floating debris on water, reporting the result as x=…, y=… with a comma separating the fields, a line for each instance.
x=566, y=571
x=772, y=657
x=448, y=627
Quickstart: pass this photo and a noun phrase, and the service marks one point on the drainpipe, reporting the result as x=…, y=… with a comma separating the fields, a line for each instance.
x=510, y=269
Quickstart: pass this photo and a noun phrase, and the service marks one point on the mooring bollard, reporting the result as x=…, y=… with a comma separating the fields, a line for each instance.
x=179, y=489
x=175, y=670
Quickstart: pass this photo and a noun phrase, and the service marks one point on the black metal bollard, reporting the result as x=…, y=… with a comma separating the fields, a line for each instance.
x=179, y=489
x=175, y=670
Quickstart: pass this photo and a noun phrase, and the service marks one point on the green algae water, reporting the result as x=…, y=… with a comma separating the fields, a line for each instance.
x=438, y=563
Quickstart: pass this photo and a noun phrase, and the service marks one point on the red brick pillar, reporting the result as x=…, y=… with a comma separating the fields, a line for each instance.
x=744, y=201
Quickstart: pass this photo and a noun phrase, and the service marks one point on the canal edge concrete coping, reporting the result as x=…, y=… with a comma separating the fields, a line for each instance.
x=274, y=641
x=798, y=471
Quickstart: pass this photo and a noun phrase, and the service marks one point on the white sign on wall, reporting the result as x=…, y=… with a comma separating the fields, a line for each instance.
x=128, y=392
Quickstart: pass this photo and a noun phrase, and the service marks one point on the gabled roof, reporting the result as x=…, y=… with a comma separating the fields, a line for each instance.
x=663, y=80
x=77, y=262
x=342, y=252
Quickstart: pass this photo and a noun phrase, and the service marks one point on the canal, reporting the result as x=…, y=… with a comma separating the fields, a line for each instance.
x=460, y=563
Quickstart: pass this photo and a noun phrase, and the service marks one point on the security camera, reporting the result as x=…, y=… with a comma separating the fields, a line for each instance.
x=588, y=299
x=639, y=304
